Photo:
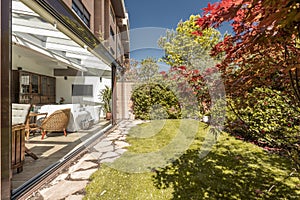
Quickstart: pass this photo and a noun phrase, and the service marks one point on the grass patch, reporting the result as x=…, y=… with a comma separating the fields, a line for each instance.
x=158, y=134
x=163, y=162
x=108, y=183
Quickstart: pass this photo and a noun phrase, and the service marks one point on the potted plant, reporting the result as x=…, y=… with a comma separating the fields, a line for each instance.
x=105, y=97
x=206, y=117
x=62, y=100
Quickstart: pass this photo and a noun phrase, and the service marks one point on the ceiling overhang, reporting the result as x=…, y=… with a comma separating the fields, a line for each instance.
x=44, y=43
x=27, y=48
x=58, y=14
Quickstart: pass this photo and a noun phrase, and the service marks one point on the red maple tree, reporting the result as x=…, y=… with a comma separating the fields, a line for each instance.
x=263, y=51
x=264, y=47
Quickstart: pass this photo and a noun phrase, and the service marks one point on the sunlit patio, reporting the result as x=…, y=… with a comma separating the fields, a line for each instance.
x=51, y=149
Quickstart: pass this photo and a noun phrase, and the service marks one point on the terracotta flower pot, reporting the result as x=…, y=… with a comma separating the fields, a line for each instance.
x=108, y=116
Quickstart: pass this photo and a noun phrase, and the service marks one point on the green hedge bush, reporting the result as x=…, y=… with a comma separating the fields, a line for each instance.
x=155, y=101
x=268, y=118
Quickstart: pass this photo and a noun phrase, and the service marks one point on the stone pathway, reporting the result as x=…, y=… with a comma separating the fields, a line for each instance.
x=70, y=184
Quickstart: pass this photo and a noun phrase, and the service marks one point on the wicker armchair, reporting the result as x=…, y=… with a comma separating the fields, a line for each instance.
x=56, y=122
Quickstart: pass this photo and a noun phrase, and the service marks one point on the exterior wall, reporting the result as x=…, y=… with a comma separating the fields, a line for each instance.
x=89, y=5
x=101, y=20
x=106, y=21
x=120, y=48
x=68, y=2
x=112, y=25
x=116, y=43
x=124, y=91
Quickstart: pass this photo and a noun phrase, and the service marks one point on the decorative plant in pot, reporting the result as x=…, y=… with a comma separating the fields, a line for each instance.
x=105, y=97
x=206, y=117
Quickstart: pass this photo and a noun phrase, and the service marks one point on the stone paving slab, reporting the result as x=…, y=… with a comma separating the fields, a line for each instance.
x=121, y=144
x=91, y=156
x=71, y=184
x=102, y=144
x=83, y=166
x=120, y=151
x=74, y=197
x=106, y=149
x=109, y=155
x=62, y=189
x=60, y=177
x=108, y=160
x=82, y=175
x=95, y=155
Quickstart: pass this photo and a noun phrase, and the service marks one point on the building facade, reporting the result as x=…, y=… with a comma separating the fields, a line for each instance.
x=61, y=54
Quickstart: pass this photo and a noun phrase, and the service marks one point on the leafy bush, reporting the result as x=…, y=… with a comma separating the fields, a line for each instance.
x=154, y=101
x=268, y=118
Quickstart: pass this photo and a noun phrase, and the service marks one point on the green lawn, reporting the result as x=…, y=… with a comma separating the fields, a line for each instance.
x=180, y=159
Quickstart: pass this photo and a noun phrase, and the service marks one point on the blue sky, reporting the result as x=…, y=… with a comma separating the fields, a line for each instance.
x=162, y=13
x=149, y=19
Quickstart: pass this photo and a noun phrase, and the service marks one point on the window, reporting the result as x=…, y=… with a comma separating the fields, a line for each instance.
x=112, y=33
x=81, y=11
x=82, y=90
x=112, y=15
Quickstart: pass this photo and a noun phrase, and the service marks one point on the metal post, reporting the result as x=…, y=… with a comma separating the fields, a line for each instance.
x=114, y=94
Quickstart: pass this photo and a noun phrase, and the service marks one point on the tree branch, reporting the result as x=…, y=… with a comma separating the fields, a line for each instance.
x=294, y=170
x=292, y=83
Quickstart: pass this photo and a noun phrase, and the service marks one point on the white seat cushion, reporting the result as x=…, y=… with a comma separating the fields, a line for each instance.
x=19, y=113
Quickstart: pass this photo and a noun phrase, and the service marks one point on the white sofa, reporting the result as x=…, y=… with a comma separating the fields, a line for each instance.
x=81, y=116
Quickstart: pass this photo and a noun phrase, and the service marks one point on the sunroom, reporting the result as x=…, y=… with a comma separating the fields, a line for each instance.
x=57, y=64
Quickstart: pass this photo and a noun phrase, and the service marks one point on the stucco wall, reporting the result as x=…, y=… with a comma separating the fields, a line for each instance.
x=124, y=91
x=64, y=88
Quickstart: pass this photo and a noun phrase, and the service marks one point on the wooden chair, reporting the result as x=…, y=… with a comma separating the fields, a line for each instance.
x=56, y=122
x=32, y=123
x=19, y=116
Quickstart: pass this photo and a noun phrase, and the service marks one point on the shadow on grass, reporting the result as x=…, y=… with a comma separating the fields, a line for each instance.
x=228, y=172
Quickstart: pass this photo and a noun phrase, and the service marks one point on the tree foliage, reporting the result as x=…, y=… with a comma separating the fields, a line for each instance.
x=268, y=115
x=155, y=101
x=263, y=48
x=149, y=70
x=262, y=52
x=144, y=71
x=182, y=46
x=192, y=68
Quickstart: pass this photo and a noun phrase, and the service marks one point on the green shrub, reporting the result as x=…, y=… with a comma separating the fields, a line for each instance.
x=269, y=118
x=154, y=101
